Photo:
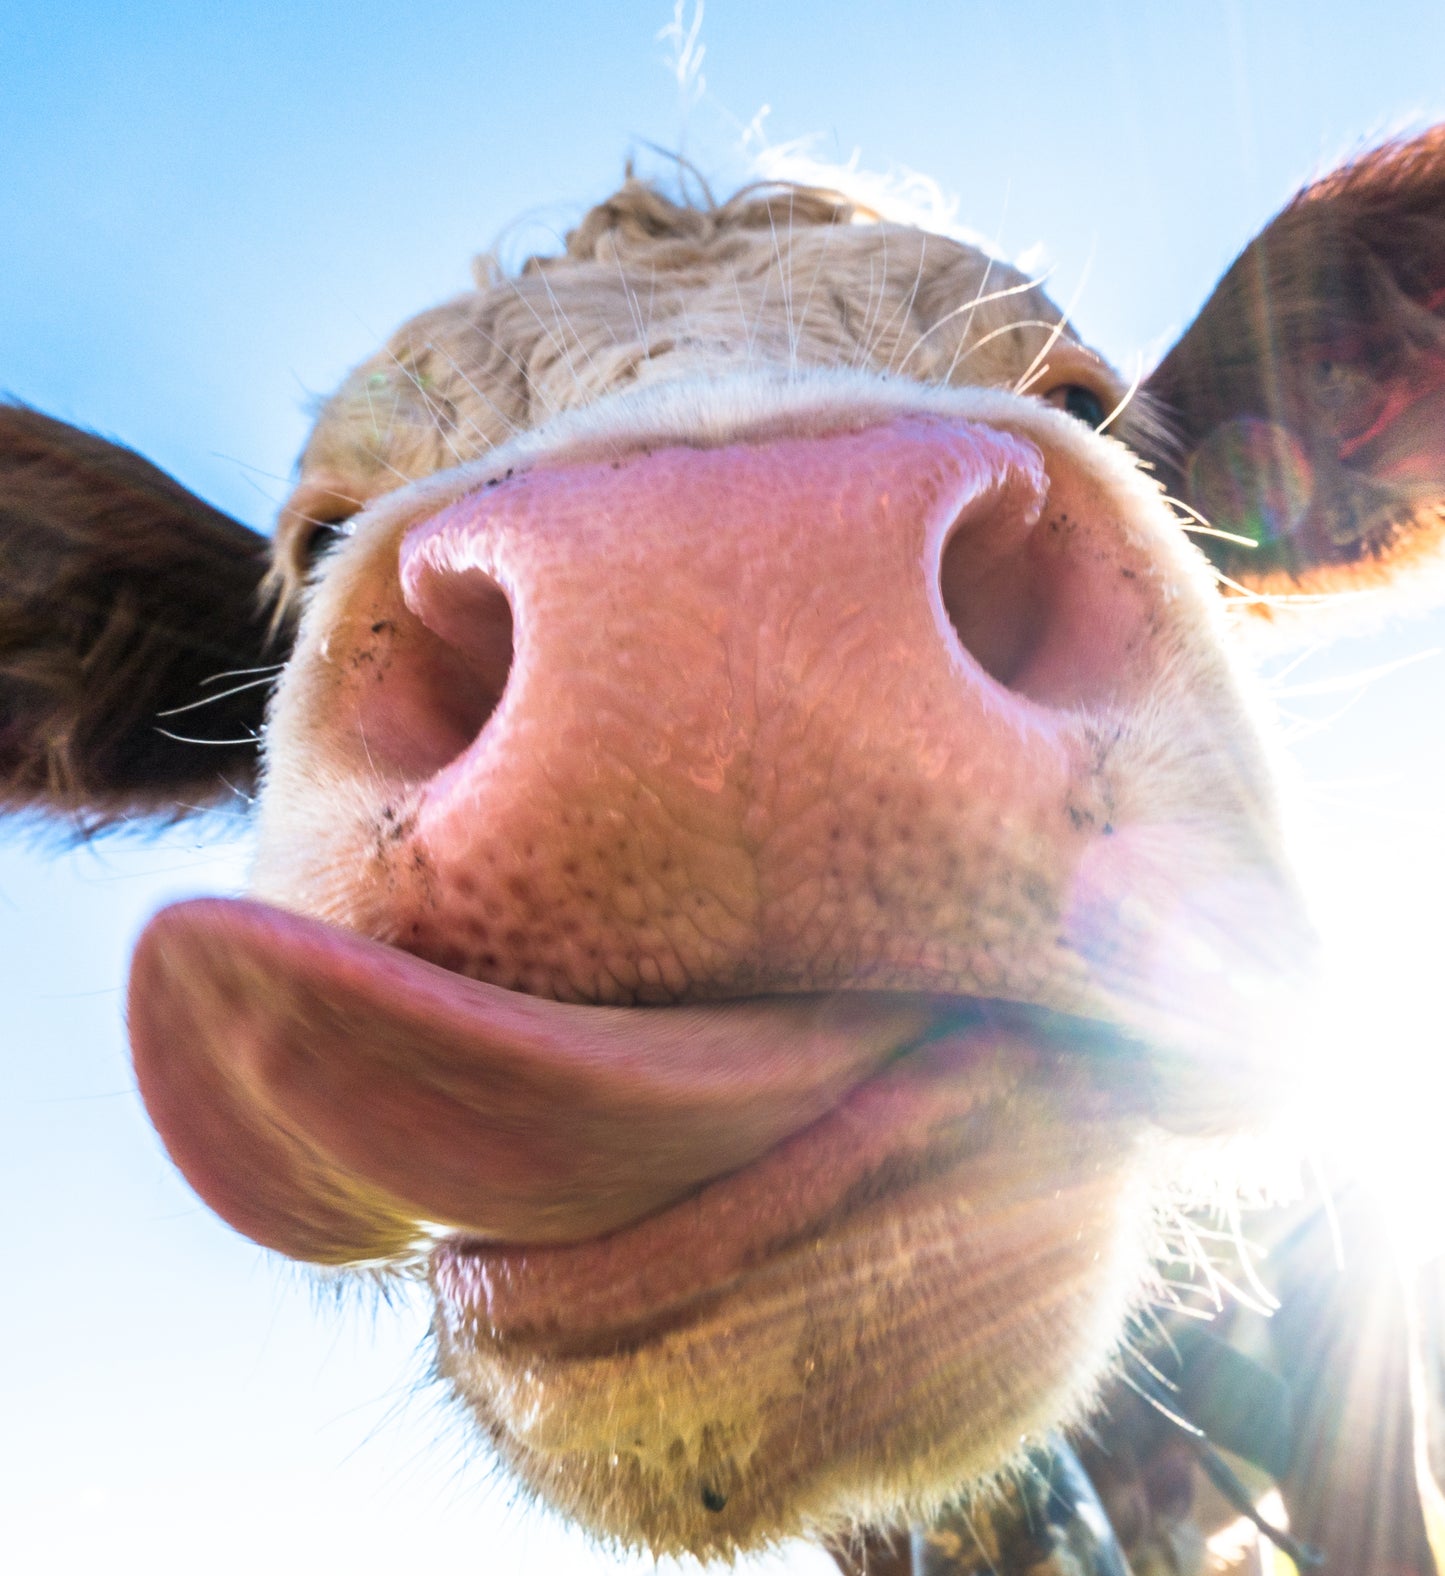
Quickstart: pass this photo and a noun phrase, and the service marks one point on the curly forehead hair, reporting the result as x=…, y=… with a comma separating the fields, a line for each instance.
x=640, y=215
x=648, y=288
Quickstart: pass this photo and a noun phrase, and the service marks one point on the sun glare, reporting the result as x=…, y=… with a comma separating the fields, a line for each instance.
x=1371, y=1043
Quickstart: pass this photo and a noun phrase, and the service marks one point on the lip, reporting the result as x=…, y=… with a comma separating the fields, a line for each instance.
x=938, y=1126
x=341, y=1101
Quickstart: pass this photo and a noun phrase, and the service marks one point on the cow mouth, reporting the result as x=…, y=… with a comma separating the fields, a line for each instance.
x=592, y=1173
x=939, y=1125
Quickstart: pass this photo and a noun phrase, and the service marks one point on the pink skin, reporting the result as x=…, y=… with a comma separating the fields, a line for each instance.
x=303, y=1054
x=275, y=1052
x=711, y=791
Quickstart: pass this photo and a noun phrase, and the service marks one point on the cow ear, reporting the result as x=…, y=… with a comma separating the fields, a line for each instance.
x=124, y=600
x=1308, y=397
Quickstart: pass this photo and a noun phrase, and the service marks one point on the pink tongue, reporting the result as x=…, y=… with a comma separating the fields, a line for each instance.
x=326, y=1094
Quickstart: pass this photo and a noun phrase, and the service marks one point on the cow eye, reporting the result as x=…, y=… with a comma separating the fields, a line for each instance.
x=1080, y=401
x=325, y=534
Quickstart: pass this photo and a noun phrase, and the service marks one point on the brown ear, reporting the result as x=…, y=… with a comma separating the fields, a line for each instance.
x=1309, y=394
x=122, y=598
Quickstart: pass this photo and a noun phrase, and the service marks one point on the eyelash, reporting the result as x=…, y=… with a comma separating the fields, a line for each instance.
x=325, y=534
x=1079, y=401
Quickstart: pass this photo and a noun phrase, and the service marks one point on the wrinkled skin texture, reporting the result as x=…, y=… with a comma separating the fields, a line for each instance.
x=770, y=883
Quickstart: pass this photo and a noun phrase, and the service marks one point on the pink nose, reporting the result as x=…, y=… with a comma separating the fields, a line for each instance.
x=757, y=717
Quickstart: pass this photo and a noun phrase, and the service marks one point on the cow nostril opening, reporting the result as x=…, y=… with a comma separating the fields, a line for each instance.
x=470, y=615
x=1056, y=604
x=470, y=612
x=431, y=676
x=994, y=597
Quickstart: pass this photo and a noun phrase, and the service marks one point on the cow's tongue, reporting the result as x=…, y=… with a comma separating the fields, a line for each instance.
x=328, y=1095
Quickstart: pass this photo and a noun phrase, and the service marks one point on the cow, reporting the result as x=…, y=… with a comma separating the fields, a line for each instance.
x=771, y=892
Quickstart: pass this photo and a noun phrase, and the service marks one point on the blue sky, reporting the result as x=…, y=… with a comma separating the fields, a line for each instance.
x=207, y=213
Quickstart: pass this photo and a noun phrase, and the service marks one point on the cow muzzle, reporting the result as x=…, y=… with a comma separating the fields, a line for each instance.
x=783, y=715
x=783, y=754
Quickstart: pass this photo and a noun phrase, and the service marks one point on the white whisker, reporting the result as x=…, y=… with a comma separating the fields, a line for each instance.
x=785, y=285
x=1126, y=401
x=211, y=700
x=877, y=289
x=563, y=354
x=182, y=738
x=1358, y=679
x=1058, y=328
x=817, y=270
x=1202, y=527
x=998, y=333
x=512, y=426
x=970, y=307
x=242, y=673
x=565, y=327
x=904, y=309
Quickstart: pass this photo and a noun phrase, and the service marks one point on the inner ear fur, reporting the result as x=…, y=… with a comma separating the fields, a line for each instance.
x=1308, y=397
x=122, y=597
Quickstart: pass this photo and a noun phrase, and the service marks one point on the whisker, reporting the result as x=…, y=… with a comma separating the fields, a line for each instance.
x=817, y=270
x=1360, y=678
x=564, y=355
x=1182, y=1310
x=528, y=387
x=631, y=300
x=1297, y=729
x=997, y=333
x=1148, y=1395
x=1246, y=1253
x=251, y=470
x=270, y=497
x=433, y=405
x=210, y=700
x=1056, y=332
x=1202, y=527
x=564, y=325
x=356, y=503
x=875, y=301
x=1154, y=1372
x=1023, y=386
x=241, y=673
x=382, y=438
x=749, y=328
x=904, y=308
x=1243, y=593
x=785, y=285
x=459, y=371
x=1126, y=401
x=240, y=793
x=1297, y=661
x=181, y=738
x=1219, y=1281
x=970, y=306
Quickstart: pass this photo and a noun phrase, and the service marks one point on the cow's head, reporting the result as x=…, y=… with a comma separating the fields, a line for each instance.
x=768, y=874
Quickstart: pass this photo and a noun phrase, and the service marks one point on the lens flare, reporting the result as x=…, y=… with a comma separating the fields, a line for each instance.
x=1371, y=1046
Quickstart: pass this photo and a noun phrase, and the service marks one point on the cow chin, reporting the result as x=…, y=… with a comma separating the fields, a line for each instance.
x=858, y=1378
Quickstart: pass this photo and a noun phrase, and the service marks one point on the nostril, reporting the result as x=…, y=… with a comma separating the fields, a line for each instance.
x=470, y=612
x=454, y=670
x=994, y=599
x=1058, y=603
